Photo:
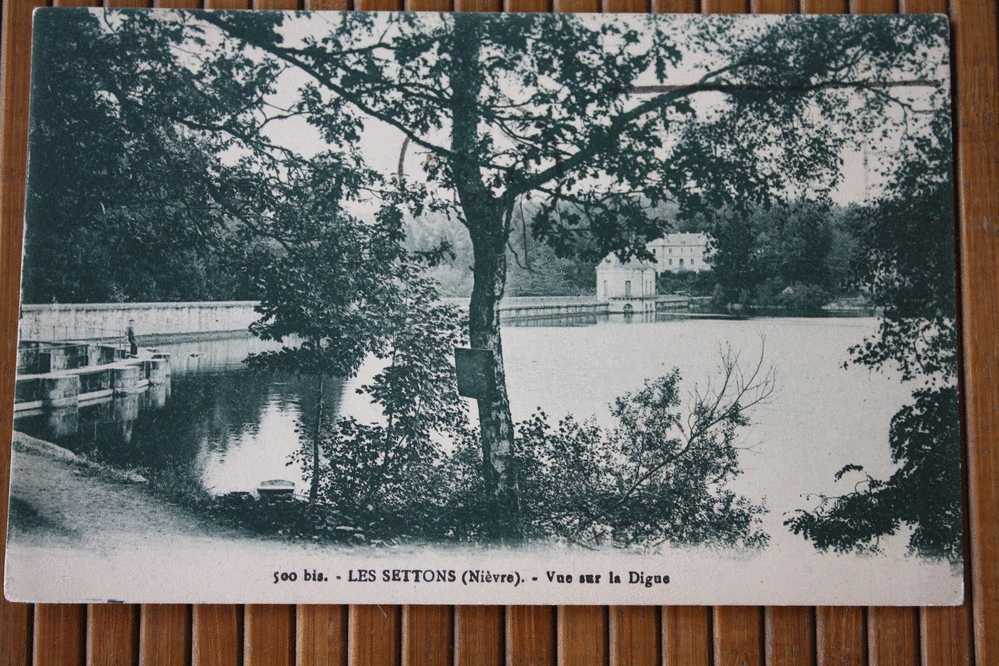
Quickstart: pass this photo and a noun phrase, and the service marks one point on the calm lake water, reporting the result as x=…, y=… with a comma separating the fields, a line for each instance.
x=229, y=428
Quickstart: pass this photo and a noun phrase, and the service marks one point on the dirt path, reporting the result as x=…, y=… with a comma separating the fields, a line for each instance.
x=57, y=497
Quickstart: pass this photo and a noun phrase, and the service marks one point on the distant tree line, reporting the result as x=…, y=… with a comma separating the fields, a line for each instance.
x=799, y=255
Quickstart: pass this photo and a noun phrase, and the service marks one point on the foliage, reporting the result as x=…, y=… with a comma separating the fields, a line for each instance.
x=700, y=283
x=791, y=256
x=387, y=473
x=550, y=109
x=906, y=264
x=115, y=208
x=925, y=445
x=658, y=475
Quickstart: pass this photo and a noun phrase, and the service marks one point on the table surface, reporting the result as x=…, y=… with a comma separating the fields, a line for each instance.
x=223, y=635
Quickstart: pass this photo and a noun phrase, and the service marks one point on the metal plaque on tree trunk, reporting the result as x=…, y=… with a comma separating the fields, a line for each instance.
x=475, y=371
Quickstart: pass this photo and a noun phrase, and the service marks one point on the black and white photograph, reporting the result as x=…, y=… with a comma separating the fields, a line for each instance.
x=399, y=307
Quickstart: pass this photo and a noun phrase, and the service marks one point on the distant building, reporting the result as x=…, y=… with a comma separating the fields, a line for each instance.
x=631, y=286
x=626, y=287
x=680, y=252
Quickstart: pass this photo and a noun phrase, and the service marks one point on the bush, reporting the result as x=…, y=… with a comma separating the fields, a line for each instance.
x=806, y=297
x=657, y=475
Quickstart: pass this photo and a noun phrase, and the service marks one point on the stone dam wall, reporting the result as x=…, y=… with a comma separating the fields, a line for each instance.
x=109, y=321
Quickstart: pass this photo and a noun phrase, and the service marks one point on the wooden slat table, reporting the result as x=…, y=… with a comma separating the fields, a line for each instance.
x=258, y=635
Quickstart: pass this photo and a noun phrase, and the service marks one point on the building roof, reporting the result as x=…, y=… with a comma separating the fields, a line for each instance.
x=682, y=238
x=611, y=261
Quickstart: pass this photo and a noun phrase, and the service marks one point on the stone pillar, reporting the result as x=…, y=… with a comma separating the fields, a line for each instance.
x=60, y=391
x=93, y=355
x=159, y=370
x=125, y=379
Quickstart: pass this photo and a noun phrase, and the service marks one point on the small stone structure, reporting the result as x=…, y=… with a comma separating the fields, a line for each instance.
x=53, y=376
x=626, y=288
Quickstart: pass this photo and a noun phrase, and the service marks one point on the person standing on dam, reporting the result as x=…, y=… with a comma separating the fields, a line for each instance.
x=132, y=344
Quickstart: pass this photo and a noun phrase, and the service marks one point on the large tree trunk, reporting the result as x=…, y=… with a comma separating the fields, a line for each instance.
x=495, y=422
x=483, y=216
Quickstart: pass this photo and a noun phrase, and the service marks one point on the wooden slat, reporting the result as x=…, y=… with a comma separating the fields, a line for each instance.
x=635, y=636
x=227, y=4
x=923, y=6
x=374, y=632
x=724, y=6
x=577, y=6
x=737, y=631
x=216, y=635
x=15, y=42
x=217, y=630
x=686, y=630
x=527, y=5
x=945, y=636
x=113, y=630
x=976, y=51
x=165, y=630
x=635, y=631
x=840, y=633
x=687, y=636
x=268, y=635
x=429, y=5
x=164, y=635
x=321, y=636
x=774, y=6
x=59, y=635
x=427, y=635
x=15, y=625
x=269, y=631
x=626, y=6
x=112, y=634
x=582, y=636
x=824, y=6
x=892, y=636
x=530, y=630
x=478, y=5
x=841, y=636
x=738, y=636
x=478, y=635
x=374, y=636
x=789, y=632
x=327, y=4
x=945, y=633
x=885, y=625
x=789, y=636
x=675, y=6
x=873, y=6
x=531, y=635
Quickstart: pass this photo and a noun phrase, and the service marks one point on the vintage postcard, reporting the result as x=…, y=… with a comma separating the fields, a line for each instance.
x=487, y=308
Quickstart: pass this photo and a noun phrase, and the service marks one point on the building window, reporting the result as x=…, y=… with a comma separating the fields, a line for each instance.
x=627, y=288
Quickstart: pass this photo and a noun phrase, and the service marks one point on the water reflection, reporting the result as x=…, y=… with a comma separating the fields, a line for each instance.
x=218, y=423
